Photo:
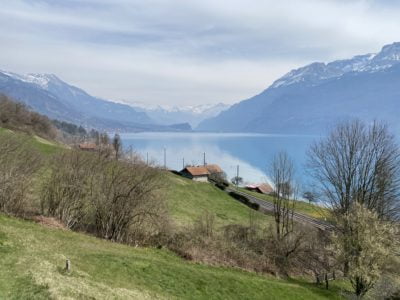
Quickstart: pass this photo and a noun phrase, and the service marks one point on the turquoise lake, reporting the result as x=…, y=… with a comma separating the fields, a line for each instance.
x=252, y=152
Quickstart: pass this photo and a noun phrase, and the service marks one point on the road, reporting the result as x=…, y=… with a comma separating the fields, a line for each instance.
x=269, y=207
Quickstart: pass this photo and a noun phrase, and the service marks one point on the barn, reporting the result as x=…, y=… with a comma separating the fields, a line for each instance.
x=196, y=173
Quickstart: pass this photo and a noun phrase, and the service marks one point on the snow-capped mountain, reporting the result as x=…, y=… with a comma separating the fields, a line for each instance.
x=41, y=80
x=49, y=95
x=192, y=114
x=317, y=72
x=312, y=98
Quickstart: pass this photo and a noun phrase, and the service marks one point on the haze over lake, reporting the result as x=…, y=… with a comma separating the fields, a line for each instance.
x=252, y=152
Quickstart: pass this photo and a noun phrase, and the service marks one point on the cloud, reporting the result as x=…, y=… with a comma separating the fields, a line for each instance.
x=186, y=52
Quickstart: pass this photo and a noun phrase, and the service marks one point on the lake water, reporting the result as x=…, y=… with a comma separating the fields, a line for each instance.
x=252, y=152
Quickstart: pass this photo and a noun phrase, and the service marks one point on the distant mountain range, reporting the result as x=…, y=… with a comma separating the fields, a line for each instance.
x=194, y=114
x=49, y=95
x=312, y=98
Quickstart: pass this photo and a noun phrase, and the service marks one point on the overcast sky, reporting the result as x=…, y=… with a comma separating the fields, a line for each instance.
x=186, y=52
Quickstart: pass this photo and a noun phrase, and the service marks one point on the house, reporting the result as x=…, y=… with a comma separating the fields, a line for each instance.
x=87, y=147
x=262, y=188
x=196, y=173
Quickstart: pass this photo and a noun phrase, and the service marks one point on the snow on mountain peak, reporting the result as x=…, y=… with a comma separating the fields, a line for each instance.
x=315, y=72
x=41, y=80
x=389, y=53
x=193, y=109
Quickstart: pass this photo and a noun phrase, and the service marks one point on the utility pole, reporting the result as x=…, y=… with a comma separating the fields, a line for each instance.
x=183, y=163
x=204, y=159
x=147, y=158
x=165, y=158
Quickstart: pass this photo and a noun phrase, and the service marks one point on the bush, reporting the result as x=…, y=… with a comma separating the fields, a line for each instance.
x=18, y=164
x=245, y=200
x=116, y=200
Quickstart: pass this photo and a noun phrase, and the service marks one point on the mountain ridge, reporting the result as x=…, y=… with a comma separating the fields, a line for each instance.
x=314, y=97
x=51, y=96
x=192, y=114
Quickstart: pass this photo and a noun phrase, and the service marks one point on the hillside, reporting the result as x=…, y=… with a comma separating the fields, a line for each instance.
x=33, y=257
x=49, y=95
x=188, y=200
x=311, y=99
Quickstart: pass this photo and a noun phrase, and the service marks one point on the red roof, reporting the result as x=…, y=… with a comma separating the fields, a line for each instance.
x=197, y=171
x=264, y=188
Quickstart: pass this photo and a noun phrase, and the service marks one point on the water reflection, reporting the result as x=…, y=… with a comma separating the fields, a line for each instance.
x=252, y=152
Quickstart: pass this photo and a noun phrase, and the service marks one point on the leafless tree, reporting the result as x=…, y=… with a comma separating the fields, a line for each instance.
x=64, y=194
x=358, y=163
x=117, y=200
x=117, y=145
x=125, y=196
x=281, y=174
x=18, y=164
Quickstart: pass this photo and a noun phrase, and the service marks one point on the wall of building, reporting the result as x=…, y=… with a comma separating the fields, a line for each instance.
x=201, y=178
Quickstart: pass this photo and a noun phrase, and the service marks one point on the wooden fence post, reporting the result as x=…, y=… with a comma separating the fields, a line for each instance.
x=68, y=265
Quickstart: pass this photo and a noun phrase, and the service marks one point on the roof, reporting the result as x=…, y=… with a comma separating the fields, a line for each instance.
x=87, y=146
x=197, y=171
x=264, y=188
x=214, y=168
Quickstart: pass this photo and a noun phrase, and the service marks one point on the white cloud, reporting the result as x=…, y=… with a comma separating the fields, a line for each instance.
x=186, y=52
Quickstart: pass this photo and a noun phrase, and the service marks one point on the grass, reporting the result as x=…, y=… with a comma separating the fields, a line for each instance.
x=188, y=200
x=311, y=210
x=42, y=145
x=32, y=259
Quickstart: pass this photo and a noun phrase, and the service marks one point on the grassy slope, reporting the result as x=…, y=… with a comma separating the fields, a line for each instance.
x=301, y=207
x=32, y=258
x=38, y=143
x=188, y=200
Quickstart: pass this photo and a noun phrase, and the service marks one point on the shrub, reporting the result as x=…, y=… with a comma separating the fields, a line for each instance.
x=18, y=164
x=116, y=200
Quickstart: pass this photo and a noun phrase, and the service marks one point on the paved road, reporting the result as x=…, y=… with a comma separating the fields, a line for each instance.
x=268, y=206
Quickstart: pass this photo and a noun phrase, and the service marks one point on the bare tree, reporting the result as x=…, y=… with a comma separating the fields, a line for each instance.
x=64, y=193
x=237, y=180
x=310, y=197
x=125, y=196
x=358, y=163
x=281, y=174
x=118, y=200
x=117, y=145
x=18, y=164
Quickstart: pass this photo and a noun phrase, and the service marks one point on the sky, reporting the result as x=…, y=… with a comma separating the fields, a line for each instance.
x=186, y=52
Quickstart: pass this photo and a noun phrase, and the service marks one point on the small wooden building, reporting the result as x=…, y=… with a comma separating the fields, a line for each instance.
x=262, y=188
x=196, y=173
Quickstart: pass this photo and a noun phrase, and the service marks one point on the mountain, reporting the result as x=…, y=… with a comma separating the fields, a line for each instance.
x=167, y=115
x=49, y=95
x=312, y=98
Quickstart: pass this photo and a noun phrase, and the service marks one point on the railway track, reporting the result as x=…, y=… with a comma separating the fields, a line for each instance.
x=269, y=207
